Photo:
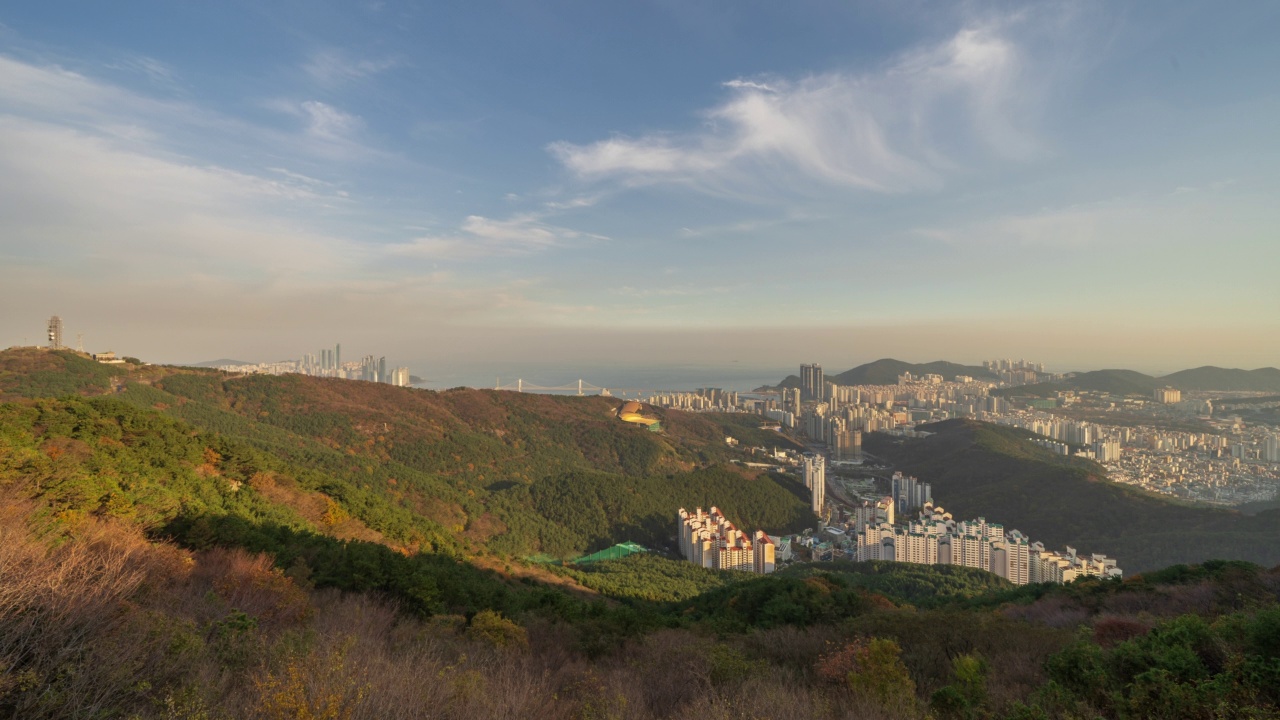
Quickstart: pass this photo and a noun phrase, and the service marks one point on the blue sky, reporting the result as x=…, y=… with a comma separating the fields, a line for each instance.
x=1089, y=184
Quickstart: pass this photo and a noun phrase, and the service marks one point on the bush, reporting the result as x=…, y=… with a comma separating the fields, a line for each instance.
x=489, y=626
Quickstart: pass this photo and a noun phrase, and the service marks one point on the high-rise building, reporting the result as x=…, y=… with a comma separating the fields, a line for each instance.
x=815, y=478
x=909, y=493
x=765, y=552
x=791, y=400
x=55, y=332
x=1271, y=448
x=1168, y=395
x=1106, y=451
x=848, y=444
x=710, y=540
x=812, y=385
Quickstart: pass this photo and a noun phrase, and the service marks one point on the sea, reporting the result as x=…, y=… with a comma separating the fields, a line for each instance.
x=620, y=380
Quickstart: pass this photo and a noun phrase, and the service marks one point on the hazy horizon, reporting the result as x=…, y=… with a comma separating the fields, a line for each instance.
x=661, y=184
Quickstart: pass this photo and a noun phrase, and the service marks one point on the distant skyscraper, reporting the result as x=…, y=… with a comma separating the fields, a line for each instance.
x=382, y=370
x=1271, y=448
x=815, y=478
x=337, y=355
x=812, y=385
x=399, y=377
x=55, y=332
x=909, y=493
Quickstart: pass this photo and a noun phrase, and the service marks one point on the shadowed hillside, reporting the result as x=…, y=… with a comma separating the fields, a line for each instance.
x=1216, y=378
x=993, y=471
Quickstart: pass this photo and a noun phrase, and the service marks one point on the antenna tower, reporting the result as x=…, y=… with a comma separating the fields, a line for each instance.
x=55, y=332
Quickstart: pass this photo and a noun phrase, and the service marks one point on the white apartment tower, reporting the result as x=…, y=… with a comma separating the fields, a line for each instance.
x=710, y=540
x=815, y=478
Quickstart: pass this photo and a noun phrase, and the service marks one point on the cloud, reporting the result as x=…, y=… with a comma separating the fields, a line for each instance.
x=573, y=203
x=329, y=123
x=66, y=98
x=899, y=128
x=480, y=236
x=740, y=84
x=97, y=207
x=154, y=70
x=333, y=67
x=1159, y=221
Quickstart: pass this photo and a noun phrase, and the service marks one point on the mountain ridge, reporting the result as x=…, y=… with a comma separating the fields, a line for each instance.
x=1116, y=381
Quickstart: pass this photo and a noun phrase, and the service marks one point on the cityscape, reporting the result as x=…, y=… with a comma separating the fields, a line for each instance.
x=1190, y=445
x=327, y=362
x=563, y=360
x=1148, y=443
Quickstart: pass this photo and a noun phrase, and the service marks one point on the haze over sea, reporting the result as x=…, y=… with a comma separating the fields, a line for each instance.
x=619, y=378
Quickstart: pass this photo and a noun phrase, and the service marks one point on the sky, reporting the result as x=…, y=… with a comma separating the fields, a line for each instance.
x=1087, y=184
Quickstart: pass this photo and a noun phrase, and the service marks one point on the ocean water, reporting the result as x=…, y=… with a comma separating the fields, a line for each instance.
x=621, y=380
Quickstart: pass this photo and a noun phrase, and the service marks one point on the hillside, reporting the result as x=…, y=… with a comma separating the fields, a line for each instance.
x=1115, y=382
x=179, y=543
x=518, y=474
x=223, y=362
x=99, y=621
x=1216, y=378
x=992, y=471
x=887, y=370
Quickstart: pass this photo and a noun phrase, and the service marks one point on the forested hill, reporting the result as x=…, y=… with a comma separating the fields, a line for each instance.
x=181, y=543
x=518, y=474
x=994, y=471
x=1216, y=378
x=1114, y=381
x=887, y=370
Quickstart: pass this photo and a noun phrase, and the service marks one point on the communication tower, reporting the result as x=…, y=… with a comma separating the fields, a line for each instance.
x=55, y=332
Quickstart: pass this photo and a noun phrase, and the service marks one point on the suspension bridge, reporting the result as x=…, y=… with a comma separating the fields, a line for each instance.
x=579, y=387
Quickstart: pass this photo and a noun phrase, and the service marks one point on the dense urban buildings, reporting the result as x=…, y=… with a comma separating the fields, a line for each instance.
x=327, y=362
x=934, y=537
x=1150, y=442
x=710, y=540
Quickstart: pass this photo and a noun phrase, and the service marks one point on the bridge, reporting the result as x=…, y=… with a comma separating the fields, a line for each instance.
x=581, y=387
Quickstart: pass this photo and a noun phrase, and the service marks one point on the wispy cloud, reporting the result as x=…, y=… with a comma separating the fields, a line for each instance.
x=63, y=97
x=584, y=201
x=97, y=205
x=331, y=66
x=898, y=128
x=159, y=73
x=480, y=236
x=1162, y=222
x=741, y=84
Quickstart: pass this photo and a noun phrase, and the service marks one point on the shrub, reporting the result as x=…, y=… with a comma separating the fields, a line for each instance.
x=491, y=627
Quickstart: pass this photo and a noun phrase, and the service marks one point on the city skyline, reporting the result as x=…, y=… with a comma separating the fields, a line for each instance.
x=700, y=183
